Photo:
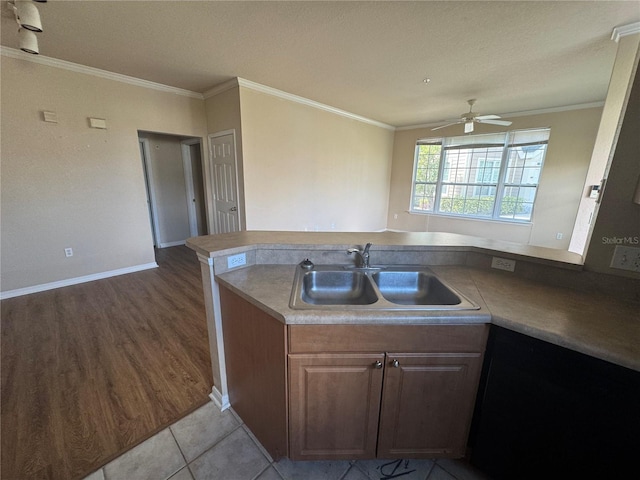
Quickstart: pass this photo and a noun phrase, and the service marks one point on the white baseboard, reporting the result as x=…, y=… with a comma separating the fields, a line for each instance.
x=172, y=244
x=74, y=281
x=222, y=401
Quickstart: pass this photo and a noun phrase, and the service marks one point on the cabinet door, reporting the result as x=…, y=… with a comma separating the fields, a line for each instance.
x=427, y=404
x=334, y=402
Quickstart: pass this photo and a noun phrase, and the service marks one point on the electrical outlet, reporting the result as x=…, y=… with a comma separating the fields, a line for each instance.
x=503, y=264
x=626, y=258
x=68, y=252
x=235, y=261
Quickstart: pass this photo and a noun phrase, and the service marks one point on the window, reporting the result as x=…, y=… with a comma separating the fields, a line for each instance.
x=491, y=176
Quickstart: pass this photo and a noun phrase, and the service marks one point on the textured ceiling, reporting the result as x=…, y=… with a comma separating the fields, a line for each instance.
x=368, y=58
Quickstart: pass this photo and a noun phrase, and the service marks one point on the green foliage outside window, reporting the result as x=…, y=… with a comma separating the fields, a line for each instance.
x=509, y=207
x=473, y=206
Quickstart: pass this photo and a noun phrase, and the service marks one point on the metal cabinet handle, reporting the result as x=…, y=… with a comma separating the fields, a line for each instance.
x=233, y=209
x=395, y=363
x=377, y=364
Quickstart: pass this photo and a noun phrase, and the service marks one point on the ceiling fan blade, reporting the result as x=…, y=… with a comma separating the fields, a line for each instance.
x=468, y=127
x=504, y=123
x=447, y=125
x=487, y=117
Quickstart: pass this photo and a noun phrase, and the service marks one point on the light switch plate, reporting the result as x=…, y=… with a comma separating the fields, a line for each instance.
x=98, y=123
x=51, y=117
x=503, y=264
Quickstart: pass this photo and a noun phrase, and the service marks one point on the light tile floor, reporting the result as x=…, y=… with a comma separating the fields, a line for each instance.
x=213, y=445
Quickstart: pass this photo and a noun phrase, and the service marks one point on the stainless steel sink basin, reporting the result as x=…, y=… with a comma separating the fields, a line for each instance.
x=414, y=288
x=337, y=288
x=377, y=288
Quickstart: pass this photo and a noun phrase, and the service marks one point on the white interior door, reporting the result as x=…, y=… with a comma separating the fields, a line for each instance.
x=225, y=182
x=151, y=206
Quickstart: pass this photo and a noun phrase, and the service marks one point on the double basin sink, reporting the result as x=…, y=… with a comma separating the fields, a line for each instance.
x=374, y=288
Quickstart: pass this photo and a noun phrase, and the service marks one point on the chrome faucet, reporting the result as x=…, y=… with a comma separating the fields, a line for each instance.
x=363, y=254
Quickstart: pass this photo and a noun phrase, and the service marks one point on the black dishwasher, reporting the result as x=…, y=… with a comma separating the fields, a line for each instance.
x=544, y=411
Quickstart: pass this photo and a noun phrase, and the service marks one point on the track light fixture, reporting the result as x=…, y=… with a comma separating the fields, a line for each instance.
x=28, y=41
x=28, y=16
x=28, y=19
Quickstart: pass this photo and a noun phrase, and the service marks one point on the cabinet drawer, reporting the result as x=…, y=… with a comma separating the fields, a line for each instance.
x=381, y=338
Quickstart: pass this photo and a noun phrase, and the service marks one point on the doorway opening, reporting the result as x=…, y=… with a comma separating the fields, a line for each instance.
x=175, y=187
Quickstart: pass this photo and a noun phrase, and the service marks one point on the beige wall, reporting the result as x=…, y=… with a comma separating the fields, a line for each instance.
x=309, y=169
x=618, y=217
x=223, y=114
x=68, y=185
x=612, y=116
x=571, y=142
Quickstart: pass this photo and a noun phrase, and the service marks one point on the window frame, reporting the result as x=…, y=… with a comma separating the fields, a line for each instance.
x=508, y=144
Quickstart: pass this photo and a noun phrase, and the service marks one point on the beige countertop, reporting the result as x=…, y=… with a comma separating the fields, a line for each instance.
x=587, y=322
x=223, y=244
x=269, y=288
x=551, y=299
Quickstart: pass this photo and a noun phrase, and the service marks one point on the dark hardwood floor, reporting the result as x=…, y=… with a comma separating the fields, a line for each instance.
x=89, y=371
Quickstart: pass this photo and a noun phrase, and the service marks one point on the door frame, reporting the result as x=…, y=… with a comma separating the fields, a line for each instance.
x=211, y=136
x=151, y=196
x=188, y=181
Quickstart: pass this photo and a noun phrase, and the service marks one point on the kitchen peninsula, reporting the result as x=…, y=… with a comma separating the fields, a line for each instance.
x=248, y=280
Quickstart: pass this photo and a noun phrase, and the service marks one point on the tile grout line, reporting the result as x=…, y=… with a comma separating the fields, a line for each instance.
x=184, y=457
x=269, y=465
x=355, y=464
x=213, y=446
x=270, y=461
x=257, y=443
x=351, y=465
x=455, y=476
x=433, y=466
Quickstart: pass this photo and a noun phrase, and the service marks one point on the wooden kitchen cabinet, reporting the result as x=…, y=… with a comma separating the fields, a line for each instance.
x=256, y=367
x=321, y=392
x=427, y=404
x=334, y=405
x=384, y=405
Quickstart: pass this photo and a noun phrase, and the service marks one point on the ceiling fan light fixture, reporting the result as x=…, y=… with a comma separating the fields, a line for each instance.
x=471, y=117
x=28, y=15
x=28, y=41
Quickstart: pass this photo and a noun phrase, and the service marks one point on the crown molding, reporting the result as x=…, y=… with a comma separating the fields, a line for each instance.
x=311, y=103
x=222, y=87
x=624, y=30
x=96, y=72
x=565, y=108
x=525, y=113
x=241, y=82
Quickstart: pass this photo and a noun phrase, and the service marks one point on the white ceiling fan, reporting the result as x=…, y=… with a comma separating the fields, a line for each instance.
x=469, y=118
